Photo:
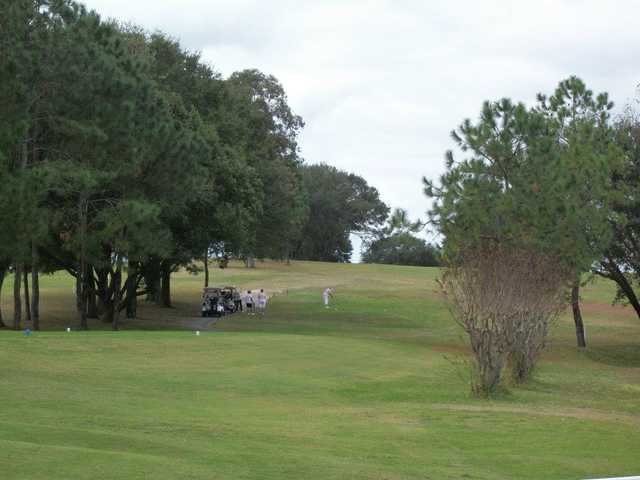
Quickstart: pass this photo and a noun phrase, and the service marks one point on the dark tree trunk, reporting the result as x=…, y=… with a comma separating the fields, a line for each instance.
x=27, y=301
x=82, y=306
x=155, y=292
x=206, y=268
x=152, y=280
x=165, y=294
x=84, y=325
x=19, y=268
x=3, y=272
x=92, y=300
x=132, y=303
x=131, y=298
x=577, y=315
x=103, y=295
x=78, y=296
x=17, y=301
x=117, y=288
x=614, y=273
x=35, y=254
x=35, y=287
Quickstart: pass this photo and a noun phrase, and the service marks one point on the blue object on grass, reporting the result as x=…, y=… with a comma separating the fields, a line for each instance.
x=27, y=332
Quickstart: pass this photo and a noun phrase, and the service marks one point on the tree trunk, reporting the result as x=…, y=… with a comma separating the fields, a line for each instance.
x=131, y=298
x=154, y=294
x=82, y=308
x=35, y=287
x=617, y=276
x=19, y=268
x=206, y=268
x=35, y=254
x=577, y=315
x=117, y=288
x=152, y=280
x=27, y=301
x=103, y=294
x=165, y=293
x=2, y=275
x=78, y=295
x=17, y=301
x=249, y=261
x=92, y=300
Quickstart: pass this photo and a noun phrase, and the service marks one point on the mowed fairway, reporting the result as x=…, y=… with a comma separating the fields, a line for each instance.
x=373, y=388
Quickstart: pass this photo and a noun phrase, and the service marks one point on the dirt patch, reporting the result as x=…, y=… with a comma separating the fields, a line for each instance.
x=604, y=313
x=576, y=413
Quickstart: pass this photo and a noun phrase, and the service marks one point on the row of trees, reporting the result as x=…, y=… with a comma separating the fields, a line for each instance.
x=551, y=191
x=124, y=157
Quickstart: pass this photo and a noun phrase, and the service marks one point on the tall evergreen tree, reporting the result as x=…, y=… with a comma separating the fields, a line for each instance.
x=538, y=178
x=621, y=260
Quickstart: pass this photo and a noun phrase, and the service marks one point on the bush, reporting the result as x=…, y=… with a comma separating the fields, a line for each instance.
x=505, y=298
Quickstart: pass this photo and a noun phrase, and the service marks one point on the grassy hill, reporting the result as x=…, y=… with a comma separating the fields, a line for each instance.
x=373, y=388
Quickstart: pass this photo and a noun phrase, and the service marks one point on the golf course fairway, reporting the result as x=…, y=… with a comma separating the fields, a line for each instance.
x=374, y=387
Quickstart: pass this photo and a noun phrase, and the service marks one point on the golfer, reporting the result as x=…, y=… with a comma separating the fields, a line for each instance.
x=248, y=300
x=262, y=301
x=328, y=292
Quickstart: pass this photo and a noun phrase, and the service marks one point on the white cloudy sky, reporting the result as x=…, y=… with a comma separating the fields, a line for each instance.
x=381, y=83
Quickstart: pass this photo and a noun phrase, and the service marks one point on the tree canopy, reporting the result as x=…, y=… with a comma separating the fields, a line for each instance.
x=124, y=156
x=340, y=204
x=540, y=176
x=536, y=178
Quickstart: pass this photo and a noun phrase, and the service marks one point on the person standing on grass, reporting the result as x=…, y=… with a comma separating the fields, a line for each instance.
x=328, y=292
x=237, y=300
x=262, y=302
x=249, y=302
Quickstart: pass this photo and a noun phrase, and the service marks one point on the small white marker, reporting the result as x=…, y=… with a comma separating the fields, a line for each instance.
x=68, y=329
x=197, y=332
x=617, y=478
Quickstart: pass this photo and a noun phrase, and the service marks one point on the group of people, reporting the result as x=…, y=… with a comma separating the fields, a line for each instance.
x=228, y=300
x=253, y=303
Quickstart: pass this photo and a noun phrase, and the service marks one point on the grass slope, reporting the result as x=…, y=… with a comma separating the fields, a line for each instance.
x=369, y=389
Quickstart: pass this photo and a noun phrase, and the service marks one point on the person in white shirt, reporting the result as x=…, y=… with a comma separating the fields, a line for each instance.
x=328, y=293
x=262, y=301
x=220, y=308
x=249, y=302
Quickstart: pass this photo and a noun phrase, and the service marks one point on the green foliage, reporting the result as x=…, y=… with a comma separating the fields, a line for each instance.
x=402, y=249
x=621, y=260
x=395, y=244
x=120, y=148
x=538, y=177
x=399, y=222
x=266, y=130
x=117, y=145
x=339, y=204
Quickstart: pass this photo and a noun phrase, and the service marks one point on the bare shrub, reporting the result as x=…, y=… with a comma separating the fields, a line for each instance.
x=505, y=299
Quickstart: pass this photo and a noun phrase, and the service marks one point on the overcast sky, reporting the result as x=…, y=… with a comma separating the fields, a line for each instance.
x=380, y=84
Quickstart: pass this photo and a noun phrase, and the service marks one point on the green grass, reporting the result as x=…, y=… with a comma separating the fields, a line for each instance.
x=372, y=388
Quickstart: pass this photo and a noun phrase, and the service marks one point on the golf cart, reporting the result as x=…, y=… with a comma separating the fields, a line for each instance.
x=220, y=301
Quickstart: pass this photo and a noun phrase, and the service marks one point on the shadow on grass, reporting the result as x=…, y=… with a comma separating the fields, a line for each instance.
x=627, y=355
